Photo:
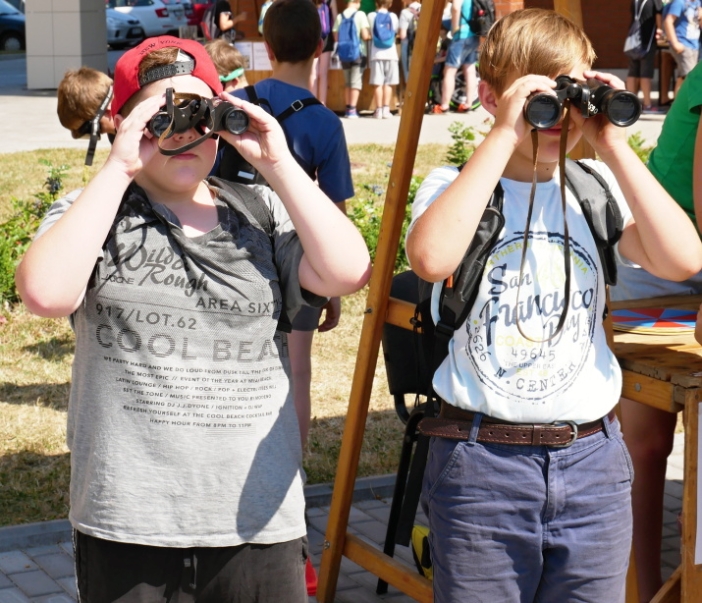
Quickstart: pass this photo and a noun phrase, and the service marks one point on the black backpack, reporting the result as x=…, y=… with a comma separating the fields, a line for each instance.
x=482, y=17
x=232, y=166
x=458, y=293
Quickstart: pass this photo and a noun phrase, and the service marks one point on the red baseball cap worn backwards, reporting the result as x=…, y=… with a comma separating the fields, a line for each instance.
x=192, y=60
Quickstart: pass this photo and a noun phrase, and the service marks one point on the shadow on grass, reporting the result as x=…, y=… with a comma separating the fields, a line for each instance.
x=48, y=395
x=33, y=487
x=53, y=349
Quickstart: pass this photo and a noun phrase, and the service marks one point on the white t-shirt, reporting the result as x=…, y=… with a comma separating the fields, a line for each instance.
x=491, y=367
x=383, y=54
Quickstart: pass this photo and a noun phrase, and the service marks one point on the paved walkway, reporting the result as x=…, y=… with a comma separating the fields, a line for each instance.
x=36, y=562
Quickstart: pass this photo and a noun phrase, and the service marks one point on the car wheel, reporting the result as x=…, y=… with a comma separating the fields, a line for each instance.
x=11, y=42
x=174, y=32
x=120, y=46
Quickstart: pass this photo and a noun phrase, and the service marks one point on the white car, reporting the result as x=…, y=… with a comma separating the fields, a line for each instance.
x=157, y=17
x=123, y=30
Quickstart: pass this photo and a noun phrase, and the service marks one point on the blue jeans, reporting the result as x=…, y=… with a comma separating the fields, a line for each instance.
x=529, y=523
x=636, y=283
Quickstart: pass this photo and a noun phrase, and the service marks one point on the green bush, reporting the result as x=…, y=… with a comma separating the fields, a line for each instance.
x=16, y=234
x=463, y=143
x=366, y=214
x=637, y=142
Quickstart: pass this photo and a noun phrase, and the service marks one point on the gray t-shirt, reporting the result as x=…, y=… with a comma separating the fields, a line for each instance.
x=181, y=421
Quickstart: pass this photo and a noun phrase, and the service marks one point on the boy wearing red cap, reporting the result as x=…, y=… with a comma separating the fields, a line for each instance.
x=186, y=476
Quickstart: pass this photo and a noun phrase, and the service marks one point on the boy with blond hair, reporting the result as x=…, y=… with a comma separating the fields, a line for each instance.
x=186, y=466
x=527, y=485
x=229, y=63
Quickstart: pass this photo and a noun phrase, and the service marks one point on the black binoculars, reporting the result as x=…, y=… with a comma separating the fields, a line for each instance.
x=191, y=111
x=544, y=111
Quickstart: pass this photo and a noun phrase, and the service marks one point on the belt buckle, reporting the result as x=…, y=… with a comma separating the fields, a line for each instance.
x=574, y=436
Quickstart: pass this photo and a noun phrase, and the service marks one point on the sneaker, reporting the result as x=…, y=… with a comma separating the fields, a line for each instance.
x=351, y=113
x=475, y=104
x=465, y=107
x=311, y=574
x=378, y=113
x=438, y=109
x=386, y=112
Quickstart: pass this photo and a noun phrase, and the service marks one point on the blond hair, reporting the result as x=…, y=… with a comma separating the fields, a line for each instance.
x=80, y=94
x=225, y=57
x=532, y=40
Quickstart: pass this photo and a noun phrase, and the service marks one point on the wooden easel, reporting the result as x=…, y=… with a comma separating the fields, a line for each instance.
x=379, y=310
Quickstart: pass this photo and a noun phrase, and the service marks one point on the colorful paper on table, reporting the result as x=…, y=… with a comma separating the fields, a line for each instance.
x=655, y=321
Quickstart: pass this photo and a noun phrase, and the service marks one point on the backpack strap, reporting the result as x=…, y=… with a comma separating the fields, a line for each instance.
x=459, y=291
x=254, y=206
x=296, y=106
x=601, y=212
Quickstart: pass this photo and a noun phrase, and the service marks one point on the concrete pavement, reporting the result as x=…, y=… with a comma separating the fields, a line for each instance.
x=29, y=119
x=36, y=561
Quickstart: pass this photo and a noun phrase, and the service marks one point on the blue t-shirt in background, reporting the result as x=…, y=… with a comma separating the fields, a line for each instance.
x=687, y=24
x=315, y=136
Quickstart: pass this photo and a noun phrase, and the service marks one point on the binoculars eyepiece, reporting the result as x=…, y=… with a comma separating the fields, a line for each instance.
x=544, y=111
x=207, y=116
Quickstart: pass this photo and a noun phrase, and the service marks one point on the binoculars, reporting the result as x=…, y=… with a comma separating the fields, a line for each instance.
x=593, y=97
x=191, y=111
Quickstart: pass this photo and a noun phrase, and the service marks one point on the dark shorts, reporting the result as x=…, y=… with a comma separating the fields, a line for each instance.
x=108, y=571
x=643, y=67
x=307, y=319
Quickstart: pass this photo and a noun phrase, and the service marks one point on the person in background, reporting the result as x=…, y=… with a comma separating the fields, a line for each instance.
x=681, y=25
x=640, y=72
x=226, y=21
x=320, y=73
x=463, y=54
x=384, y=62
x=407, y=29
x=81, y=93
x=229, y=63
x=676, y=163
x=353, y=72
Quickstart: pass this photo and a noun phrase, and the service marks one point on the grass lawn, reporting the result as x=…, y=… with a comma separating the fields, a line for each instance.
x=36, y=356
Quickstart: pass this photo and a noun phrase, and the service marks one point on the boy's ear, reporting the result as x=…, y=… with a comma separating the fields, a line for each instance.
x=271, y=56
x=320, y=47
x=117, y=119
x=487, y=97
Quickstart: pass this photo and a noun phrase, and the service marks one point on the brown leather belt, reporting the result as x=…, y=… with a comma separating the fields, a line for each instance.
x=455, y=424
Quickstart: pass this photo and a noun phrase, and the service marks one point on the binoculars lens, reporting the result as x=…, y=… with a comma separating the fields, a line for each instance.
x=543, y=111
x=159, y=123
x=622, y=109
x=236, y=121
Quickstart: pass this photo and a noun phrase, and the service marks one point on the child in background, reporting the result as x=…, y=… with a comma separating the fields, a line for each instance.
x=229, y=63
x=384, y=62
x=407, y=29
x=516, y=512
x=320, y=73
x=353, y=70
x=80, y=95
